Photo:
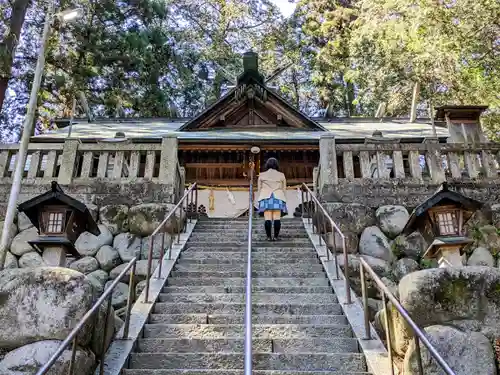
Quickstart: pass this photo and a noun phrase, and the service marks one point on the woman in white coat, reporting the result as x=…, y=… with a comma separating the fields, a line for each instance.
x=272, y=197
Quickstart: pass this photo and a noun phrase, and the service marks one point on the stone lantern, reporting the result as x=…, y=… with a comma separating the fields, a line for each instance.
x=441, y=220
x=60, y=219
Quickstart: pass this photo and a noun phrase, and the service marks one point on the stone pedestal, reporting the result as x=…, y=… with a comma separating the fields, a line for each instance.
x=449, y=257
x=54, y=256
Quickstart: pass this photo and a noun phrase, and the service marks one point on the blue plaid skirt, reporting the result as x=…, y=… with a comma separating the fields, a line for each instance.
x=272, y=204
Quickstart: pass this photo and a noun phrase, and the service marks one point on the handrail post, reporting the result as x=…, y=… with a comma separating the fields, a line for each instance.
x=346, y=271
x=148, y=270
x=131, y=293
x=364, y=294
x=388, y=332
x=248, y=285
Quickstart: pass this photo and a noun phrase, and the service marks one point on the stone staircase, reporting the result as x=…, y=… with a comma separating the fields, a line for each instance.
x=197, y=325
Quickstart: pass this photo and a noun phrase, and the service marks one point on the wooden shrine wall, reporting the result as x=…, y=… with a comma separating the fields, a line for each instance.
x=219, y=165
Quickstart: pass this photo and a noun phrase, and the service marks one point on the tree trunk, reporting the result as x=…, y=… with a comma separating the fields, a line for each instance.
x=8, y=45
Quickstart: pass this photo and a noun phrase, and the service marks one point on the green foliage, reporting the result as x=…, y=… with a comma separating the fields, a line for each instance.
x=427, y=263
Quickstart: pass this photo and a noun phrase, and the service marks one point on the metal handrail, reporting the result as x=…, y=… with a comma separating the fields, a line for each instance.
x=248, y=285
x=94, y=309
x=188, y=197
x=321, y=227
x=418, y=334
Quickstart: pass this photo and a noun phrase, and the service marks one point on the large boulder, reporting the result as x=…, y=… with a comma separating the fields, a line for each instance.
x=20, y=243
x=145, y=218
x=98, y=280
x=333, y=240
x=379, y=266
x=94, y=211
x=466, y=297
x=115, y=218
x=465, y=352
x=374, y=243
x=140, y=271
x=120, y=294
x=412, y=246
x=88, y=245
x=108, y=258
x=43, y=303
x=128, y=246
x=104, y=329
x=489, y=238
x=495, y=215
x=481, y=257
x=23, y=222
x=31, y=260
x=404, y=266
x=478, y=219
x=12, y=232
x=351, y=217
x=28, y=359
x=10, y=261
x=146, y=243
x=392, y=219
x=85, y=265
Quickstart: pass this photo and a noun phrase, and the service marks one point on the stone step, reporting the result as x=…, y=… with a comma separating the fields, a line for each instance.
x=238, y=308
x=256, y=243
x=261, y=361
x=259, y=331
x=244, y=228
x=238, y=319
x=238, y=232
x=256, y=282
x=294, y=298
x=276, y=266
x=239, y=236
x=233, y=372
x=237, y=257
x=241, y=289
x=334, y=345
x=259, y=250
x=268, y=273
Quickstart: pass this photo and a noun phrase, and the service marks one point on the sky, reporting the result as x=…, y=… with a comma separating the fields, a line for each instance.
x=286, y=7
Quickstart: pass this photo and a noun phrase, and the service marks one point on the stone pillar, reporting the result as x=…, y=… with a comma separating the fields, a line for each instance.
x=68, y=161
x=449, y=257
x=348, y=165
x=471, y=164
x=54, y=256
x=434, y=161
x=168, y=164
x=399, y=169
x=490, y=169
x=415, y=169
x=328, y=176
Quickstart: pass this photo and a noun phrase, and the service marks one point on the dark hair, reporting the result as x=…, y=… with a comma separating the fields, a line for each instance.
x=272, y=163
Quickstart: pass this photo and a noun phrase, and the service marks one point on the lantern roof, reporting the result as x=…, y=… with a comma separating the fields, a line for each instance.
x=56, y=196
x=443, y=196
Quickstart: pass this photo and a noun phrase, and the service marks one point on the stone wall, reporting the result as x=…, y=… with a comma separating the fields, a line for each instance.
x=385, y=171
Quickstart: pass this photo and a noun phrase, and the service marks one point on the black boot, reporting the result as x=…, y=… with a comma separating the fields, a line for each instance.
x=268, y=226
x=277, y=227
